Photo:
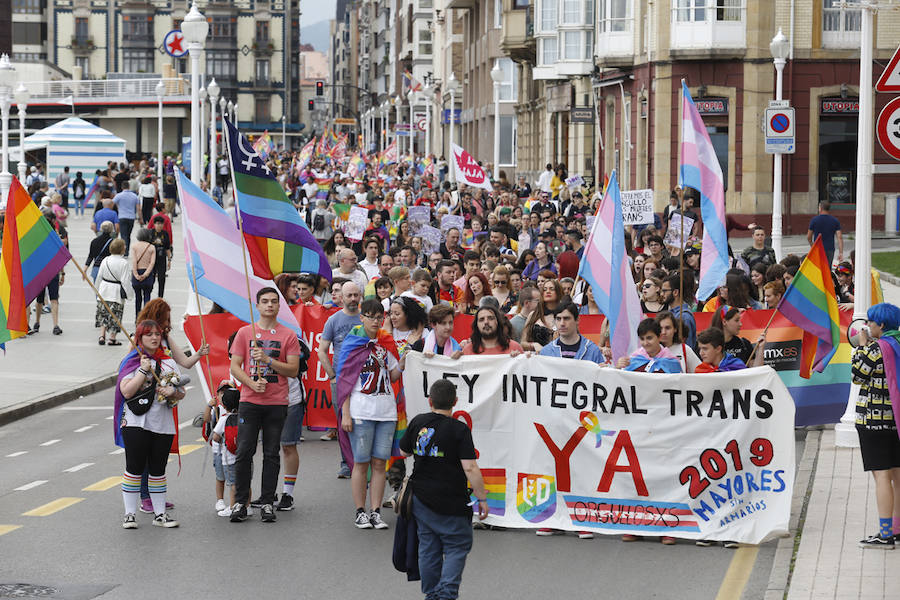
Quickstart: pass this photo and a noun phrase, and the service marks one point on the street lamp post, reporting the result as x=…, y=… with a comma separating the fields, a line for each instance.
x=451, y=84
x=283, y=133
x=780, y=47
x=396, y=102
x=22, y=97
x=160, y=92
x=203, y=96
x=498, y=76
x=230, y=111
x=429, y=96
x=213, y=89
x=411, y=98
x=6, y=74
x=385, y=119
x=194, y=28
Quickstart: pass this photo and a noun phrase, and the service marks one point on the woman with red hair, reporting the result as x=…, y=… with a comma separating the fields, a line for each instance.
x=477, y=287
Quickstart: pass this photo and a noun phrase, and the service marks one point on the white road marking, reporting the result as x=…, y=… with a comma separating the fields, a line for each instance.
x=118, y=451
x=50, y=443
x=77, y=467
x=184, y=424
x=15, y=454
x=109, y=418
x=84, y=408
x=85, y=428
x=33, y=484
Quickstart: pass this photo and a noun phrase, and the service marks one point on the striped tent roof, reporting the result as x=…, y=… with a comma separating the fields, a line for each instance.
x=73, y=129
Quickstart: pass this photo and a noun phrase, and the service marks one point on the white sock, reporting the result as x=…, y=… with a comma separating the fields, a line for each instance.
x=158, y=494
x=131, y=492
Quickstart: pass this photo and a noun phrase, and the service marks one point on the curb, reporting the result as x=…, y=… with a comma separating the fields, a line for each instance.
x=783, y=563
x=889, y=278
x=54, y=399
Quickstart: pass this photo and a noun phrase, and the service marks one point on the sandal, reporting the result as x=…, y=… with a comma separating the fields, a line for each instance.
x=101, y=341
x=113, y=343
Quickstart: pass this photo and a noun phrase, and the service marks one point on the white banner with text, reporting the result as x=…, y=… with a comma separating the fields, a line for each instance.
x=570, y=445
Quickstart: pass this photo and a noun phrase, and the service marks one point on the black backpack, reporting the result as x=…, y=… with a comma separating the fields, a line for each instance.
x=318, y=222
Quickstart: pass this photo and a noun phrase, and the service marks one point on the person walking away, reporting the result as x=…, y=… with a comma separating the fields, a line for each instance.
x=147, y=193
x=62, y=186
x=827, y=226
x=112, y=282
x=262, y=364
x=143, y=269
x=161, y=241
x=366, y=367
x=99, y=248
x=444, y=466
x=145, y=422
x=874, y=369
x=128, y=204
x=79, y=189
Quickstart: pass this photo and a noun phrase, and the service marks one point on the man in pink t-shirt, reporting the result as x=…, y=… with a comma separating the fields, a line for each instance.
x=263, y=357
x=490, y=334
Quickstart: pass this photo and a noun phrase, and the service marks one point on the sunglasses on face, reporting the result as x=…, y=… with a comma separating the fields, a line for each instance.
x=647, y=286
x=499, y=282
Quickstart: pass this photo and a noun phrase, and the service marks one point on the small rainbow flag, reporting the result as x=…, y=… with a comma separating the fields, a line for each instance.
x=425, y=165
x=810, y=303
x=341, y=210
x=31, y=256
x=264, y=145
x=324, y=186
x=495, y=483
x=305, y=156
x=357, y=165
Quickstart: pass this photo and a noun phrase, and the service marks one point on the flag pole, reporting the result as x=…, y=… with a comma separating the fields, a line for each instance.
x=202, y=332
x=681, y=237
x=756, y=346
x=237, y=211
x=131, y=341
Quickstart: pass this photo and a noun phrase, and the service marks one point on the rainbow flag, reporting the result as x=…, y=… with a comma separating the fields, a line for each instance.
x=90, y=193
x=341, y=210
x=31, y=256
x=889, y=342
x=357, y=165
x=389, y=155
x=304, y=156
x=278, y=239
x=426, y=166
x=323, y=147
x=877, y=291
x=495, y=483
x=324, y=186
x=810, y=303
x=339, y=149
x=264, y=145
x=410, y=82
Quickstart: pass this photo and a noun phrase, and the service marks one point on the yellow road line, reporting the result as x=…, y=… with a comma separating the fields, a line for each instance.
x=188, y=448
x=738, y=573
x=200, y=439
x=52, y=507
x=4, y=529
x=103, y=484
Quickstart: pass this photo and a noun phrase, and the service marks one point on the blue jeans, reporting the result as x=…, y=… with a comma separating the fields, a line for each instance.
x=444, y=542
x=371, y=439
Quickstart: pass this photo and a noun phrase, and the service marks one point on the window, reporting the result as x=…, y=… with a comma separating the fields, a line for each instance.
x=262, y=72
x=589, y=12
x=425, y=4
x=691, y=10
x=548, y=17
x=223, y=28
x=221, y=64
x=425, y=47
x=85, y=64
x=720, y=10
x=498, y=14
x=571, y=12
x=81, y=30
x=589, y=46
x=137, y=61
x=507, y=140
x=517, y=4
x=615, y=15
x=549, y=52
x=509, y=89
x=262, y=110
x=834, y=18
x=28, y=6
x=262, y=31
x=572, y=45
x=137, y=26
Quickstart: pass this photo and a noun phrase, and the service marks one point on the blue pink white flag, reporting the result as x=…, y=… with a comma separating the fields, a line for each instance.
x=606, y=269
x=701, y=171
x=213, y=247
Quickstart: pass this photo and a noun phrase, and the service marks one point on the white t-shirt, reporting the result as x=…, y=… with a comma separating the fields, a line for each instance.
x=295, y=392
x=693, y=361
x=159, y=419
x=423, y=300
x=372, y=397
x=400, y=196
x=370, y=268
x=227, y=457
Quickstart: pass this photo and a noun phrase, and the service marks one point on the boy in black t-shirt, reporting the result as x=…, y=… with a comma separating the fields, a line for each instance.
x=444, y=459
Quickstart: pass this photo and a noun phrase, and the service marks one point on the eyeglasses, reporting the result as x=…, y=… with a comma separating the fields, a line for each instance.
x=374, y=317
x=500, y=282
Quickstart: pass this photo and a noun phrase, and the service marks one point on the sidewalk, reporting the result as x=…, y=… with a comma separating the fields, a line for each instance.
x=45, y=370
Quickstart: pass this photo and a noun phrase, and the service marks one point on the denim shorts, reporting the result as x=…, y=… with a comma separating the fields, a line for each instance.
x=371, y=439
x=293, y=425
x=223, y=472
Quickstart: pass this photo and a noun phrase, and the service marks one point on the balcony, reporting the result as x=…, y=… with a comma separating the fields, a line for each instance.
x=706, y=28
x=517, y=36
x=82, y=45
x=99, y=91
x=615, y=43
x=263, y=47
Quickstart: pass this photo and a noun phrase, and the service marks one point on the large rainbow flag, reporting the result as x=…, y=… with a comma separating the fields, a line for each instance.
x=305, y=156
x=811, y=304
x=278, y=240
x=264, y=145
x=31, y=256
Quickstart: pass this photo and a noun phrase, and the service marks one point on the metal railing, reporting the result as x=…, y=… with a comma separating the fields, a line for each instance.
x=106, y=88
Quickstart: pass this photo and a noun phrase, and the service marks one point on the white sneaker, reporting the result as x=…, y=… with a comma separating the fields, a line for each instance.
x=225, y=512
x=220, y=505
x=249, y=511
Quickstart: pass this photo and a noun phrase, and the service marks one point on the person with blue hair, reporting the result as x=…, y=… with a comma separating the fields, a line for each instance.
x=875, y=369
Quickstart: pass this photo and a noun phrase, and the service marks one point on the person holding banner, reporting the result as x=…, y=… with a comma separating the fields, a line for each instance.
x=490, y=334
x=874, y=369
x=670, y=337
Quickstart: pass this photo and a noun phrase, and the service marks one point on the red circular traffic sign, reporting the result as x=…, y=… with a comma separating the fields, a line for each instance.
x=888, y=128
x=779, y=122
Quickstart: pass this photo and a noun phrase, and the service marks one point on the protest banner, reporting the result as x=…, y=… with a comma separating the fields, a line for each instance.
x=356, y=223
x=574, y=182
x=418, y=217
x=570, y=445
x=431, y=238
x=449, y=222
x=637, y=207
x=677, y=224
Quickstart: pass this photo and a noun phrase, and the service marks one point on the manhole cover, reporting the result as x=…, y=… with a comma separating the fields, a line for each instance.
x=25, y=590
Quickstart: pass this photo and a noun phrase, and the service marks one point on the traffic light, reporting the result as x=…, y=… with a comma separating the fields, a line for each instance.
x=320, y=88
x=311, y=105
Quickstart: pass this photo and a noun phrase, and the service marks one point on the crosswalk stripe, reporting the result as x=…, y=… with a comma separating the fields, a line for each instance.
x=85, y=428
x=50, y=442
x=103, y=484
x=52, y=507
x=122, y=450
x=77, y=467
x=188, y=448
x=15, y=454
x=4, y=529
x=33, y=484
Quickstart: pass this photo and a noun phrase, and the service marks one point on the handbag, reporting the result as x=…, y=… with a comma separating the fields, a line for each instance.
x=141, y=402
x=403, y=503
x=122, y=294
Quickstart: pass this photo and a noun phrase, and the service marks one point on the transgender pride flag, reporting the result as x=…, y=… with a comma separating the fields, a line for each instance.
x=212, y=245
x=700, y=170
x=606, y=269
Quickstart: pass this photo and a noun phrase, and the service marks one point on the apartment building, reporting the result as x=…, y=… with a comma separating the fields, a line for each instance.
x=629, y=85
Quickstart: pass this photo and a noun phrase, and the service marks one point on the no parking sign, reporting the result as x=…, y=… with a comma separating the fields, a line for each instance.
x=780, y=129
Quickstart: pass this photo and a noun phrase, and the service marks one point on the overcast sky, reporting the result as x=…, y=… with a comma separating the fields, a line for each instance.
x=315, y=11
